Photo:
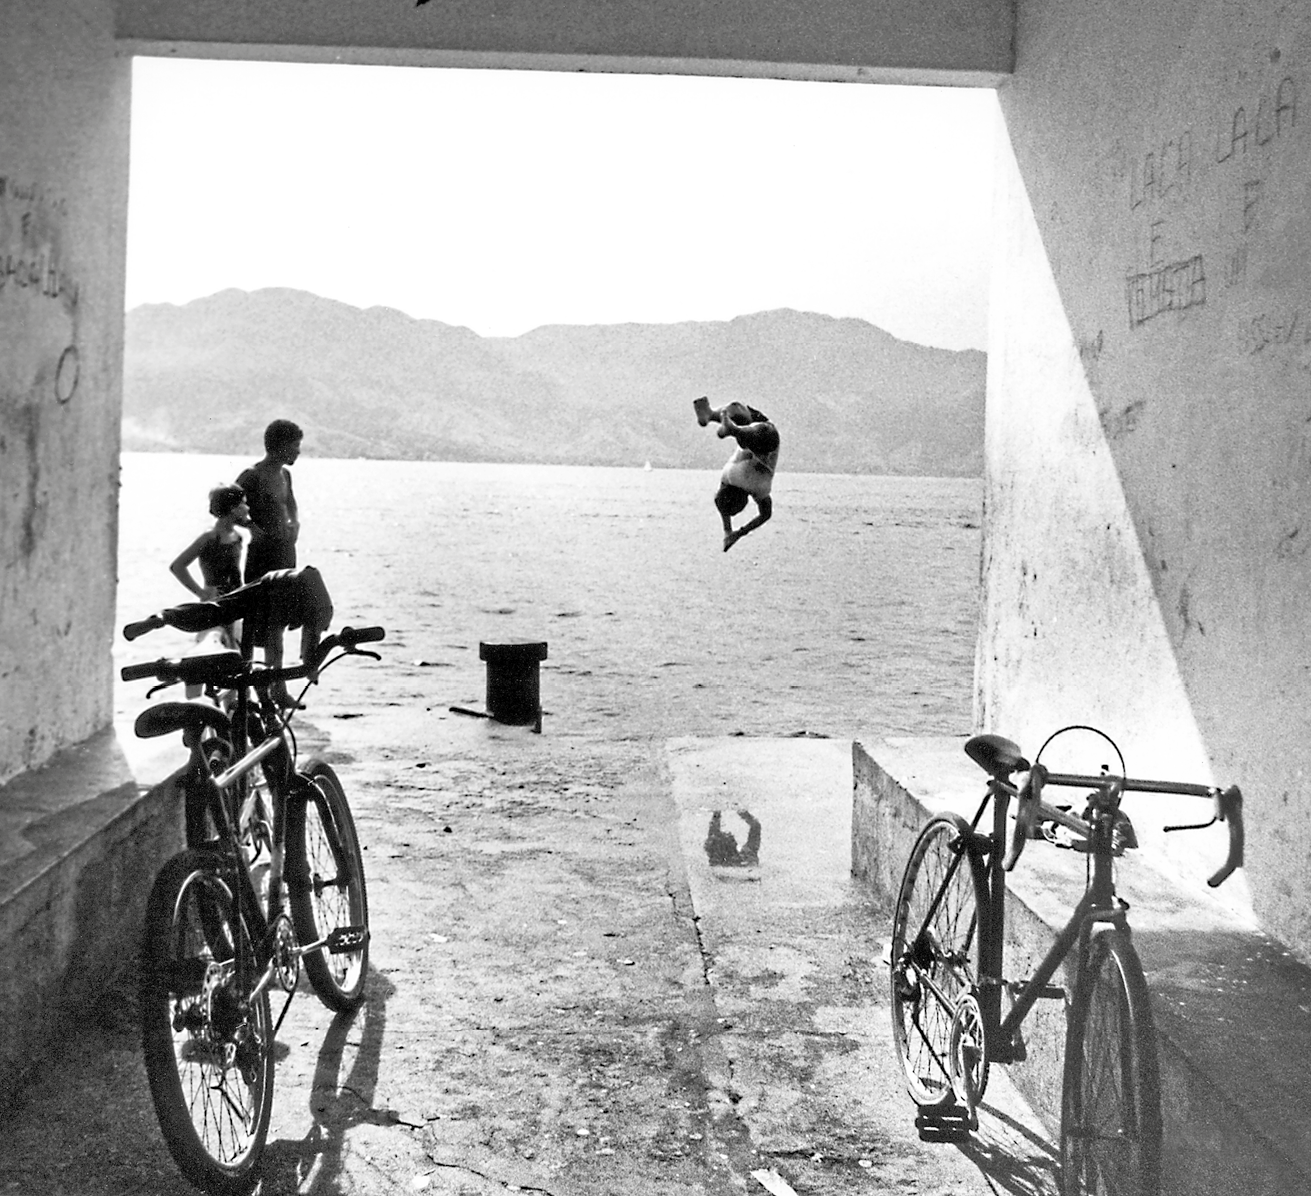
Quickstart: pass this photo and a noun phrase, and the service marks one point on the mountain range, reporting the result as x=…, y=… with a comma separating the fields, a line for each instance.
x=208, y=375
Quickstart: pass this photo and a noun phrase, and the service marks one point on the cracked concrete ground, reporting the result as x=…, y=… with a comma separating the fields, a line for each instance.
x=568, y=994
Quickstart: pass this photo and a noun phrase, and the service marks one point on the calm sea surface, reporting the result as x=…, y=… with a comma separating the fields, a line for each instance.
x=851, y=614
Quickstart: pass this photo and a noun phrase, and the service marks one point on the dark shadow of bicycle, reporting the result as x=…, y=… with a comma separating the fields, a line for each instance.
x=1012, y=1156
x=337, y=1102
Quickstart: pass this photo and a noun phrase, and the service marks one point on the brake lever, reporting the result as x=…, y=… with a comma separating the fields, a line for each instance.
x=1026, y=814
x=1229, y=809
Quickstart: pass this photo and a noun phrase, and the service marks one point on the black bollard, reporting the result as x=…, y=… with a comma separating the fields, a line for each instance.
x=513, y=690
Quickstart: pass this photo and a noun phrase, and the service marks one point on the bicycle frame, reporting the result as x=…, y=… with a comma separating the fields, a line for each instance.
x=230, y=823
x=1099, y=902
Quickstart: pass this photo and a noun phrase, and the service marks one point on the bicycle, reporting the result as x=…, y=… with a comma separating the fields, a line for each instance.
x=947, y=980
x=272, y=876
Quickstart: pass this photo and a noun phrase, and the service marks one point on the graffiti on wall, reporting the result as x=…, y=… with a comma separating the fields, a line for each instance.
x=1274, y=115
x=1162, y=181
x=33, y=269
x=1272, y=330
x=1176, y=286
x=1164, y=169
x=29, y=257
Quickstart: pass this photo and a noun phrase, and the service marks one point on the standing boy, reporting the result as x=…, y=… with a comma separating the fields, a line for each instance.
x=274, y=521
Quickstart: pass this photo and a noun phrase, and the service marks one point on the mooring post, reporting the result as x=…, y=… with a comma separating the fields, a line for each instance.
x=513, y=687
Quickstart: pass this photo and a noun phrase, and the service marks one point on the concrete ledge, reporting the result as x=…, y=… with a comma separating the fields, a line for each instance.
x=80, y=841
x=1232, y=1007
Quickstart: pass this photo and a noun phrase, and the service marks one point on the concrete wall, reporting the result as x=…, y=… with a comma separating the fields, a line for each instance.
x=1148, y=498
x=902, y=41
x=63, y=186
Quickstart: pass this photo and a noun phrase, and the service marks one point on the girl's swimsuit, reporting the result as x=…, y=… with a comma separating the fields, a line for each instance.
x=220, y=564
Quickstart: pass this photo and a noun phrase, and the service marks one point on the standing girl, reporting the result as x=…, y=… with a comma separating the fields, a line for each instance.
x=217, y=550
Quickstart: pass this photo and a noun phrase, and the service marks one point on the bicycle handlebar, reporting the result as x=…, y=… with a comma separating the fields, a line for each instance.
x=216, y=668
x=227, y=668
x=348, y=637
x=1031, y=809
x=192, y=617
x=136, y=630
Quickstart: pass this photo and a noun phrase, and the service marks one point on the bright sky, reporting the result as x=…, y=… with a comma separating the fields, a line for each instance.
x=503, y=200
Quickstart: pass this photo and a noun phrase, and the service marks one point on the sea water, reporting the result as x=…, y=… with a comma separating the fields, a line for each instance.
x=851, y=614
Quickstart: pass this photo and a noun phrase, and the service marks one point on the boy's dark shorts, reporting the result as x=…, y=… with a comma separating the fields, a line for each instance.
x=731, y=499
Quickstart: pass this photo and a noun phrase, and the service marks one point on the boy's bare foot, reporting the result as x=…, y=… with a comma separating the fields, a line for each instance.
x=731, y=539
x=702, y=408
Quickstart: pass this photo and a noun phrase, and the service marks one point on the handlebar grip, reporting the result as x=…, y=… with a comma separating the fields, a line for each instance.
x=134, y=630
x=139, y=672
x=348, y=637
x=1229, y=810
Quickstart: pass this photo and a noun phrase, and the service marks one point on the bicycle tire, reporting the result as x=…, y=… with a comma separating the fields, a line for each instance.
x=1111, y=1099
x=208, y=1052
x=325, y=884
x=930, y=974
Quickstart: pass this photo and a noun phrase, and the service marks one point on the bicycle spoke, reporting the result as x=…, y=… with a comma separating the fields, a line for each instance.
x=208, y=1047
x=1110, y=1123
x=940, y=897
x=327, y=889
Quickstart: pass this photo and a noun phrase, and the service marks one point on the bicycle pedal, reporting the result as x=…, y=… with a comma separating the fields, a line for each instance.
x=952, y=1123
x=1052, y=992
x=346, y=939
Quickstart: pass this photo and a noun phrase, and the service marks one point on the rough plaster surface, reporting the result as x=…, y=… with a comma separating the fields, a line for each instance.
x=63, y=185
x=943, y=41
x=1147, y=444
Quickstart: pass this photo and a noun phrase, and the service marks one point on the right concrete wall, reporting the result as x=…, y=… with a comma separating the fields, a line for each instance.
x=1148, y=492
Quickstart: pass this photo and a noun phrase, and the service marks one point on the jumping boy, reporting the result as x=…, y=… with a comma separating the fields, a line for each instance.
x=749, y=473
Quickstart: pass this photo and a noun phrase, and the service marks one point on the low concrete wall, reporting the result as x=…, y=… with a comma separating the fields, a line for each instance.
x=1232, y=1006
x=82, y=839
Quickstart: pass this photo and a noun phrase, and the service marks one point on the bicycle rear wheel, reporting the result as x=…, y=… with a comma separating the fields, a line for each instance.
x=935, y=953
x=208, y=1049
x=1111, y=1101
x=325, y=882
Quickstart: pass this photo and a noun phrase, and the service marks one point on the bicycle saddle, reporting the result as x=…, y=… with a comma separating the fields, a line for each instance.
x=167, y=717
x=997, y=757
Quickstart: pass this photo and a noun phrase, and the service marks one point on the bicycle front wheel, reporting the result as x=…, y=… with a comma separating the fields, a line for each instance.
x=325, y=881
x=1111, y=1102
x=208, y=1048
x=935, y=953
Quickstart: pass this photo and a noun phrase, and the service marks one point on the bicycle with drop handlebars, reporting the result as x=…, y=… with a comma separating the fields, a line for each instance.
x=272, y=876
x=946, y=957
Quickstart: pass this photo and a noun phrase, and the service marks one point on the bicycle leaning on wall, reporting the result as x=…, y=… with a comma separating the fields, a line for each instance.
x=272, y=876
x=947, y=967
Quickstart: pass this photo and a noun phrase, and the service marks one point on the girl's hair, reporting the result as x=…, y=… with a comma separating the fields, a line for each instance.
x=222, y=499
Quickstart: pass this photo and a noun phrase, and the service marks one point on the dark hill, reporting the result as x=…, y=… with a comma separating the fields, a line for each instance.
x=848, y=397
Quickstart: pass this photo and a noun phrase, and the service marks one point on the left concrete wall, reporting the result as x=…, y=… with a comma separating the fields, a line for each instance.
x=64, y=111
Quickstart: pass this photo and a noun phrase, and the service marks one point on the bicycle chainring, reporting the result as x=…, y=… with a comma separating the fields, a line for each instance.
x=286, y=953
x=967, y=1056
